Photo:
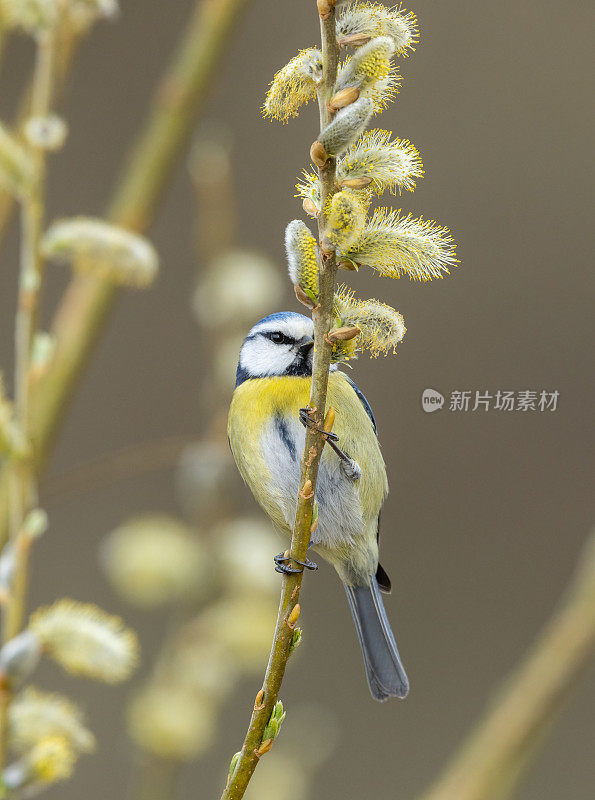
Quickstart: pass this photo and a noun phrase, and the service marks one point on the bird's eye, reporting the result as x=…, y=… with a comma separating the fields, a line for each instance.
x=279, y=338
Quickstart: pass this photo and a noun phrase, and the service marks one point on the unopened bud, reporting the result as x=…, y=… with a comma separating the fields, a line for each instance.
x=296, y=640
x=343, y=334
x=36, y=523
x=19, y=657
x=264, y=747
x=303, y=297
x=356, y=183
x=354, y=40
x=42, y=353
x=347, y=125
x=310, y=207
x=294, y=616
x=329, y=420
x=307, y=492
x=318, y=154
x=347, y=265
x=324, y=8
x=234, y=761
x=344, y=98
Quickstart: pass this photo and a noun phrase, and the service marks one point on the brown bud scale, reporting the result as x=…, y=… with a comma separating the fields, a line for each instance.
x=310, y=207
x=343, y=334
x=354, y=40
x=302, y=296
x=344, y=98
x=318, y=154
x=356, y=183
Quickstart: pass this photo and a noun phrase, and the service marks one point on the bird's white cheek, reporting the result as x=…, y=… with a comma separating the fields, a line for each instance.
x=261, y=357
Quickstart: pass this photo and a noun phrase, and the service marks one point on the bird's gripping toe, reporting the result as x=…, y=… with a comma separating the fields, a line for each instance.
x=283, y=563
x=351, y=468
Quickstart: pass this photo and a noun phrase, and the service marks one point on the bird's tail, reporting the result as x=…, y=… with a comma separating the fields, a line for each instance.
x=385, y=673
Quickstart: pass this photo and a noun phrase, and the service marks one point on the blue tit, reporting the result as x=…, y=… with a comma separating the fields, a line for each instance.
x=267, y=440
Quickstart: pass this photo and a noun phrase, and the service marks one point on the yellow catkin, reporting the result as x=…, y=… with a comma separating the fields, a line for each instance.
x=386, y=163
x=370, y=71
x=381, y=327
x=346, y=218
x=372, y=19
x=85, y=640
x=293, y=85
x=302, y=258
x=396, y=245
x=52, y=759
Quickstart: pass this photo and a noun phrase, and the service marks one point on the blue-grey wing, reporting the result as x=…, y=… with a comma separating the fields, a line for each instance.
x=381, y=576
x=363, y=401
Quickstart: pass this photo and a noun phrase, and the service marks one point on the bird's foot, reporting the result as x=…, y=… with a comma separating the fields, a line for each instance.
x=308, y=422
x=351, y=468
x=283, y=561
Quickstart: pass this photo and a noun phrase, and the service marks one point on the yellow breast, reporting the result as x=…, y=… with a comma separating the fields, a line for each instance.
x=256, y=402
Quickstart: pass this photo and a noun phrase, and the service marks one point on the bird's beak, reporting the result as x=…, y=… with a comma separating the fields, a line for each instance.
x=306, y=344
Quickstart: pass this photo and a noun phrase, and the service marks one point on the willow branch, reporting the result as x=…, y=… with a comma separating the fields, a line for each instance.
x=491, y=762
x=68, y=40
x=23, y=482
x=254, y=746
x=87, y=300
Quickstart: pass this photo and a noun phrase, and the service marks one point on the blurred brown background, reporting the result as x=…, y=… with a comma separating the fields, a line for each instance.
x=487, y=511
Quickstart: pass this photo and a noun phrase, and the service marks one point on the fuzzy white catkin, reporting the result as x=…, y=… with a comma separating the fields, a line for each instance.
x=85, y=640
x=294, y=85
x=172, y=722
x=153, y=559
x=244, y=546
x=347, y=125
x=47, y=133
x=34, y=715
x=372, y=19
x=36, y=16
x=94, y=246
x=239, y=286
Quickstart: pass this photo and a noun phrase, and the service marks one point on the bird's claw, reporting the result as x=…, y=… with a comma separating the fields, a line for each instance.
x=350, y=467
x=282, y=564
x=308, y=422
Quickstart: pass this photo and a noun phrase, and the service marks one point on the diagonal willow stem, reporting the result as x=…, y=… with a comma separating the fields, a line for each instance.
x=253, y=746
x=87, y=301
x=495, y=755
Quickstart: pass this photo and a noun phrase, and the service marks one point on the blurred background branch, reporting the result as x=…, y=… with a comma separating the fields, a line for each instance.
x=495, y=756
x=87, y=300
